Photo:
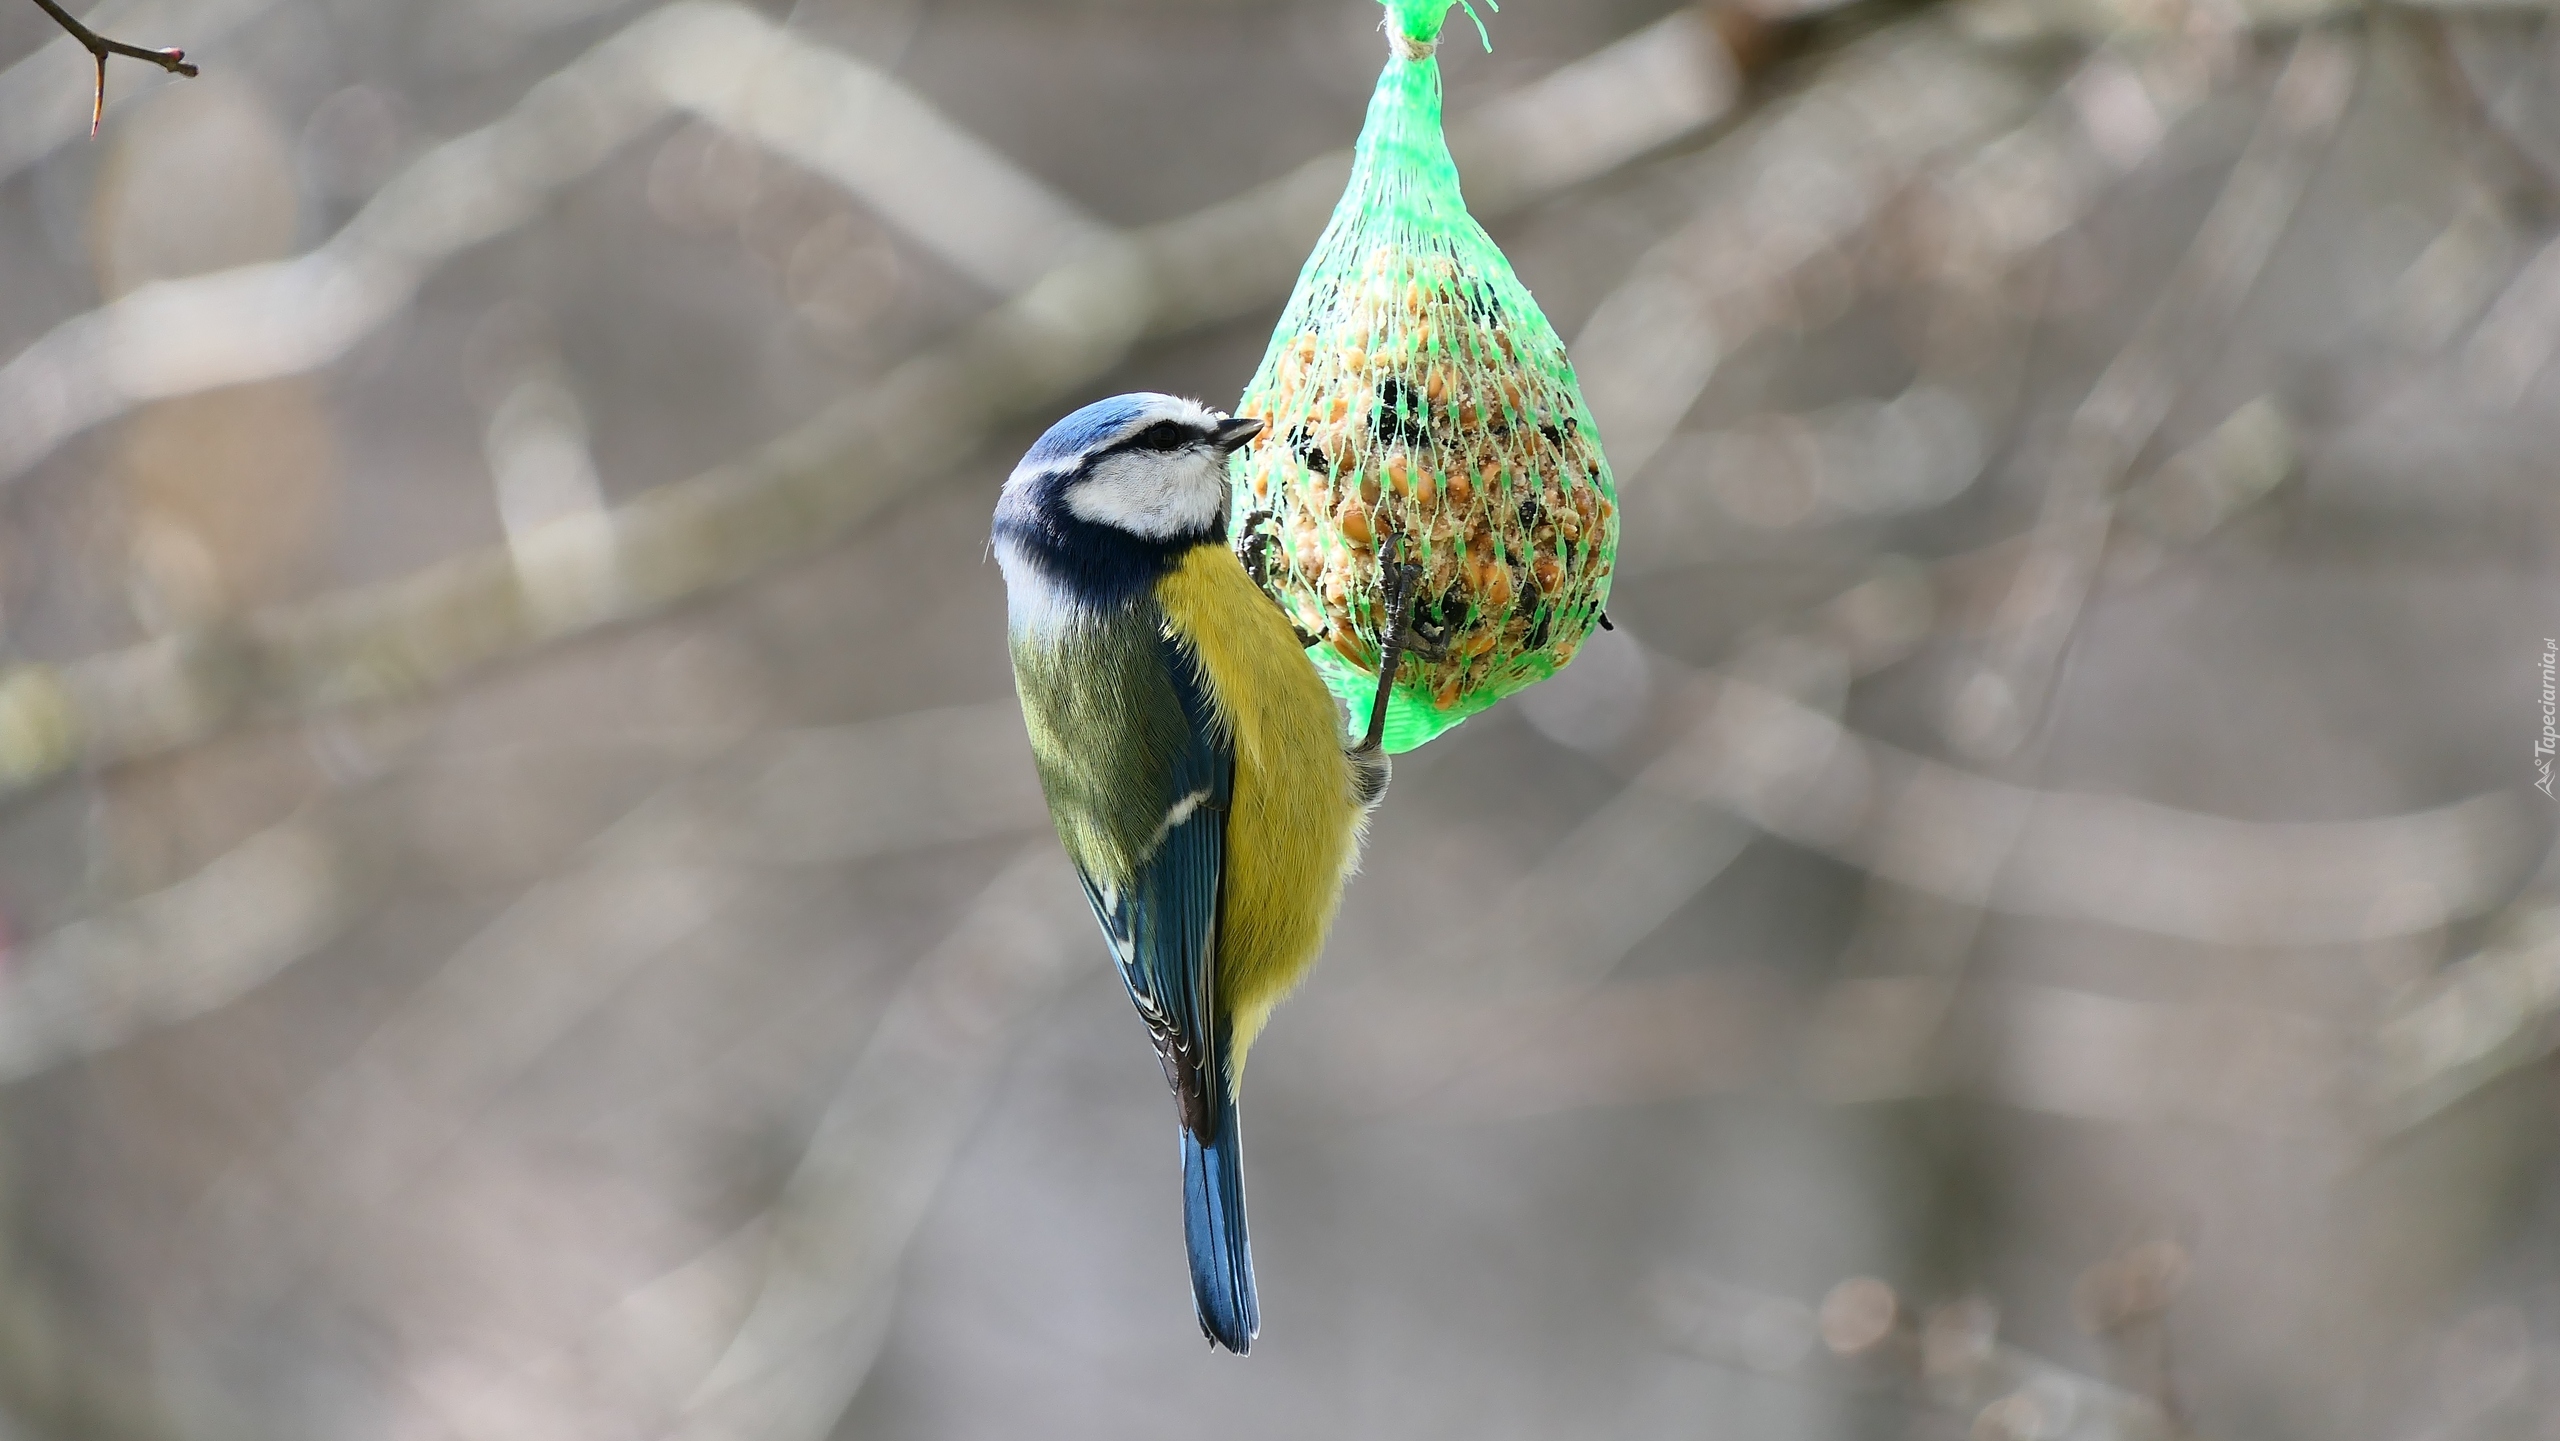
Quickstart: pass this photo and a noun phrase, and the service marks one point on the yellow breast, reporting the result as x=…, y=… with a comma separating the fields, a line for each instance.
x=1293, y=832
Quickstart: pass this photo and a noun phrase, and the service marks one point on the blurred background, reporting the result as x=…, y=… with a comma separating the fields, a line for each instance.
x=527, y=916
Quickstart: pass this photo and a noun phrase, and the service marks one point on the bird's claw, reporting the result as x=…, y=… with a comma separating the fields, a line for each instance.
x=1256, y=551
x=1256, y=555
x=1428, y=642
x=1397, y=582
x=1415, y=635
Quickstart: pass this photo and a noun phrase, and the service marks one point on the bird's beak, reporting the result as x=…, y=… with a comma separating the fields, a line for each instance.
x=1233, y=432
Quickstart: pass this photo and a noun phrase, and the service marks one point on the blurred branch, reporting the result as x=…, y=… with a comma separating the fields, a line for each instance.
x=818, y=1268
x=1587, y=118
x=2097, y=21
x=403, y=638
x=1435, y=1053
x=1880, y=1030
x=2468, y=61
x=1949, y=1360
x=820, y=797
x=2518, y=336
x=1611, y=881
x=1448, y=1051
x=100, y=47
x=846, y=794
x=1975, y=222
x=2091, y=1056
x=1420, y=1052
x=57, y=1388
x=1763, y=744
x=857, y=125
x=656, y=888
x=841, y=1227
x=2112, y=860
x=2231, y=468
x=174, y=954
x=496, y=1005
x=1536, y=1025
x=1793, y=188
x=2000, y=704
x=2450, y=282
x=2486, y=1016
x=2393, y=346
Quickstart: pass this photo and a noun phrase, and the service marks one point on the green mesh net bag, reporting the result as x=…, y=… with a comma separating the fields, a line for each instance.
x=1421, y=410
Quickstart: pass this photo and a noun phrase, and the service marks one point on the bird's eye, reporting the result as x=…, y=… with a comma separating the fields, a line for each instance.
x=1163, y=435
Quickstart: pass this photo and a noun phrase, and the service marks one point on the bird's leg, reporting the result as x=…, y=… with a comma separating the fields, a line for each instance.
x=1400, y=579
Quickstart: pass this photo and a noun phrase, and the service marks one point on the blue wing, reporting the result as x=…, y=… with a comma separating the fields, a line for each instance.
x=1163, y=929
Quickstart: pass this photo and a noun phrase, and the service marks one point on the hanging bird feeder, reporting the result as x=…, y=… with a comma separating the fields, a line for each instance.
x=1421, y=411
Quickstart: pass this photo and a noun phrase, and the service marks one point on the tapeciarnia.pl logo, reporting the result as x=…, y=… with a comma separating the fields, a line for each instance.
x=2550, y=739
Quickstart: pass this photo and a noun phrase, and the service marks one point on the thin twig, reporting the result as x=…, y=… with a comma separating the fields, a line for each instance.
x=100, y=47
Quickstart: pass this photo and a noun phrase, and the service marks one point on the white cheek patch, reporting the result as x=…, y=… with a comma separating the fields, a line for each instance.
x=1153, y=494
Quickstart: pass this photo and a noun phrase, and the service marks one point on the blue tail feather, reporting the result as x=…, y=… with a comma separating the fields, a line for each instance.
x=1213, y=1224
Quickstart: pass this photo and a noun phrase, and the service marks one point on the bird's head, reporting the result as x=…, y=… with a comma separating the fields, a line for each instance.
x=1111, y=498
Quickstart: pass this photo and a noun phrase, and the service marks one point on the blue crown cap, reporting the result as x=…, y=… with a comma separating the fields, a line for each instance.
x=1087, y=428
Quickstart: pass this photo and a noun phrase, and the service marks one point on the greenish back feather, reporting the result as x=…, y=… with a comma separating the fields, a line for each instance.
x=1106, y=727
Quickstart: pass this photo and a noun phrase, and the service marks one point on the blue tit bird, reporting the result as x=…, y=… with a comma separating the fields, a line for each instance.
x=1194, y=762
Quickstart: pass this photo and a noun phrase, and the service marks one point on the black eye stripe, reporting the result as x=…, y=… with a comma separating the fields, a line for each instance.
x=1164, y=435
